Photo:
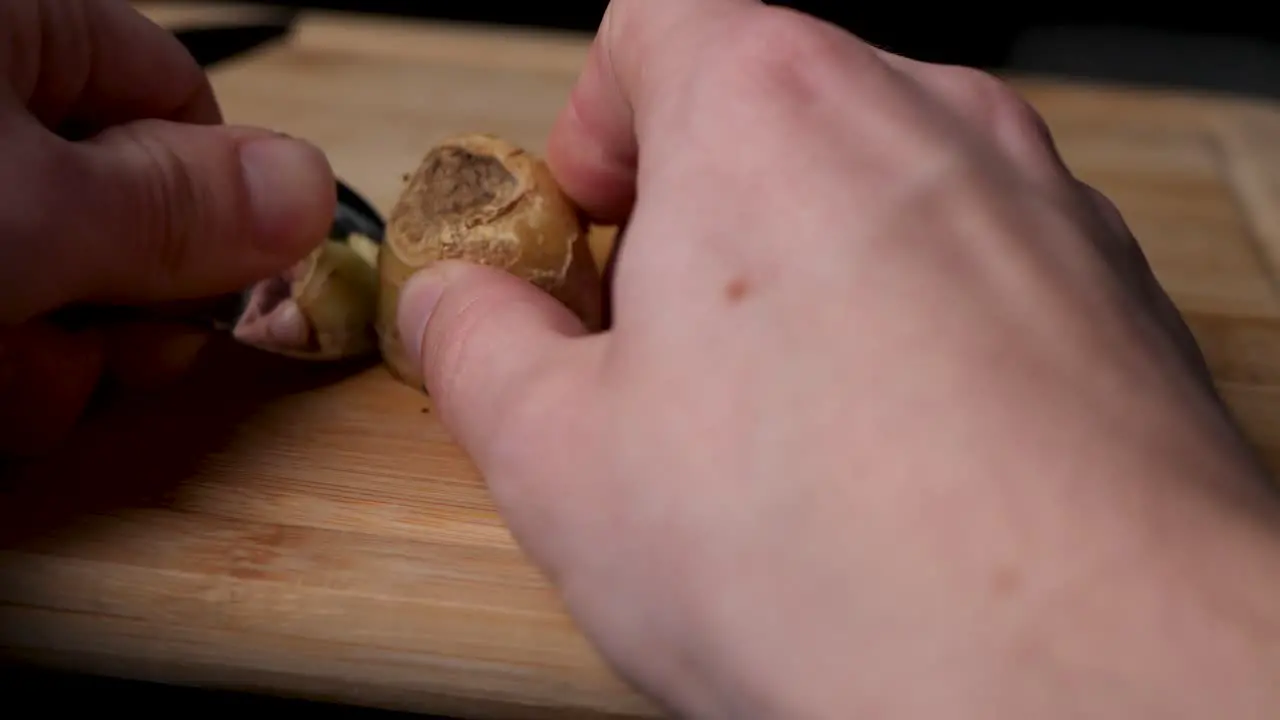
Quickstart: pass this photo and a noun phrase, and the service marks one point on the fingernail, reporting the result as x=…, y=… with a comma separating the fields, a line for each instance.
x=418, y=300
x=291, y=192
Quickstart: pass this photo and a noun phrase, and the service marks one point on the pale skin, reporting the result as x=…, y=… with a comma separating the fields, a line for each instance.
x=893, y=421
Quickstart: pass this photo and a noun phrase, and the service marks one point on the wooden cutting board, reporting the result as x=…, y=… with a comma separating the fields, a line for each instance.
x=322, y=537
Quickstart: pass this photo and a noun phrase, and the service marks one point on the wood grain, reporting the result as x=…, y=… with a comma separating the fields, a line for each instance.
x=320, y=535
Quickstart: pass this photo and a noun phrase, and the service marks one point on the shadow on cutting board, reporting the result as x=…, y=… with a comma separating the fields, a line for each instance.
x=134, y=448
x=134, y=453
x=1197, y=47
x=56, y=693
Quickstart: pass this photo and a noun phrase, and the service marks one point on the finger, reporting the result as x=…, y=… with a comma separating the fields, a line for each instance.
x=990, y=107
x=156, y=211
x=486, y=341
x=592, y=150
x=642, y=47
x=97, y=64
x=47, y=378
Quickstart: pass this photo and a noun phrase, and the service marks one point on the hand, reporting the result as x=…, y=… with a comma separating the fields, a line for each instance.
x=122, y=186
x=893, y=419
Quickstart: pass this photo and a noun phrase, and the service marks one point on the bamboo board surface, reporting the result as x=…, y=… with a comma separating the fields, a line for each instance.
x=323, y=537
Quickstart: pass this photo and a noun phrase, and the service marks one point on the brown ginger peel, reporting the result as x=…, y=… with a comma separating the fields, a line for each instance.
x=482, y=199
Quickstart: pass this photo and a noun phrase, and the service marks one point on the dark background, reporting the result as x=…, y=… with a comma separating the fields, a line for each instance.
x=1201, y=45
x=1204, y=46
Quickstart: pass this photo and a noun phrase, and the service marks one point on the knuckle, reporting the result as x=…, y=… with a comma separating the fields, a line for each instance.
x=1005, y=112
x=633, y=33
x=1020, y=123
x=622, y=19
x=166, y=198
x=1106, y=207
x=474, y=372
x=985, y=91
x=777, y=50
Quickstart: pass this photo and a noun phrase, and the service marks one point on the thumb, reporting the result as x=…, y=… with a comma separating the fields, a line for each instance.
x=156, y=211
x=485, y=341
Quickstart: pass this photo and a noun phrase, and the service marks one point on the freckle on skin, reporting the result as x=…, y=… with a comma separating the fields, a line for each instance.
x=737, y=289
x=1005, y=582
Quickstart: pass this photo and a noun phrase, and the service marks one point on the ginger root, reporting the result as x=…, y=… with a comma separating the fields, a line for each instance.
x=482, y=199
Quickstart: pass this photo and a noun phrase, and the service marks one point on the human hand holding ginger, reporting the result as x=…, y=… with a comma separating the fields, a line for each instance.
x=122, y=186
x=892, y=420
